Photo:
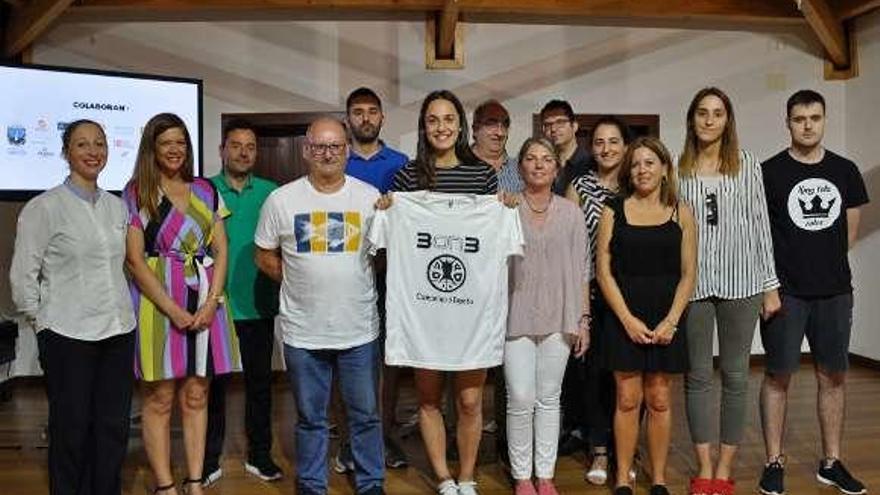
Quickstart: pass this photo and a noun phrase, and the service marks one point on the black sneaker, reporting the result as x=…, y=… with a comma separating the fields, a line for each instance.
x=837, y=476
x=343, y=461
x=264, y=469
x=211, y=473
x=772, y=479
x=394, y=456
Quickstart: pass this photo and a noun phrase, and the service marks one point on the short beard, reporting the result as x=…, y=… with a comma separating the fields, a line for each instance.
x=365, y=138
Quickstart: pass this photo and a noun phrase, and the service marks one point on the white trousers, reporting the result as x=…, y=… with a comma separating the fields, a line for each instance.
x=533, y=369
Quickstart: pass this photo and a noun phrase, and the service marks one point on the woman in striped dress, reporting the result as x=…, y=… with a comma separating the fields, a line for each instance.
x=736, y=278
x=176, y=252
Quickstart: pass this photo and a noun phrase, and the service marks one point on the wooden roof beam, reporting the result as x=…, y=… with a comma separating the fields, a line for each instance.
x=831, y=33
x=519, y=11
x=850, y=9
x=27, y=23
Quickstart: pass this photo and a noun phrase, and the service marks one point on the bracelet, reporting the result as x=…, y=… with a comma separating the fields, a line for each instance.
x=217, y=298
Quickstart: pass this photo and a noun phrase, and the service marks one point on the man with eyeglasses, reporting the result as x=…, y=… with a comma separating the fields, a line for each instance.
x=560, y=127
x=491, y=124
x=311, y=238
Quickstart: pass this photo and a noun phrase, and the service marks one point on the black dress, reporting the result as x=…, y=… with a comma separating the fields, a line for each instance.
x=646, y=264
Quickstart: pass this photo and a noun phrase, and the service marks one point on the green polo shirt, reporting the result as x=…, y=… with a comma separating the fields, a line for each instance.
x=251, y=294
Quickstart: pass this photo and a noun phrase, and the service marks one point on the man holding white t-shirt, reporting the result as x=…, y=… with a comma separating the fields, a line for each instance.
x=312, y=238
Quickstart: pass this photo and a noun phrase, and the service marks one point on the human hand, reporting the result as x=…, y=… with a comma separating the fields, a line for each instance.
x=204, y=316
x=664, y=332
x=637, y=331
x=580, y=342
x=384, y=201
x=510, y=200
x=771, y=304
x=181, y=319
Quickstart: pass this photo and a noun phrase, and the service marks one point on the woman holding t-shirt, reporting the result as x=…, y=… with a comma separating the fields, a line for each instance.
x=736, y=278
x=444, y=163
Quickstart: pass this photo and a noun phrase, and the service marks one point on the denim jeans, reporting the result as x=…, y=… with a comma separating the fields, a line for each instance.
x=311, y=373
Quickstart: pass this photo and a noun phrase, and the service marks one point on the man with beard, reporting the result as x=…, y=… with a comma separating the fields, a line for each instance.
x=370, y=159
x=253, y=299
x=373, y=162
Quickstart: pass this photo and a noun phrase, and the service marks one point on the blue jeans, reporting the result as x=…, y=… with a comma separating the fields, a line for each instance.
x=311, y=374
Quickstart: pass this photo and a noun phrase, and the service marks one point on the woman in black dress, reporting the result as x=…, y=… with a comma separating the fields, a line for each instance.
x=647, y=283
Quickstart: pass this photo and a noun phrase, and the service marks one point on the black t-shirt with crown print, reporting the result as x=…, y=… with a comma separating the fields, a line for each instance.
x=807, y=205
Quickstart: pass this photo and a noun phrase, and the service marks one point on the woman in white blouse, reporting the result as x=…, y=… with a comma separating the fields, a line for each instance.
x=736, y=278
x=68, y=282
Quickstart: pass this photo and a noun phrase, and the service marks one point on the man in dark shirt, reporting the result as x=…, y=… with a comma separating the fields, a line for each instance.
x=560, y=127
x=813, y=198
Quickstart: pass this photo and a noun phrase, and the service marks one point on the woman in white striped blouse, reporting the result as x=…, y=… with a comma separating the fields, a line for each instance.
x=736, y=278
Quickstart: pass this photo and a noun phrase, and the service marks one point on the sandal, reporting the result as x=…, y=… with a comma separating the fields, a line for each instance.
x=163, y=488
x=191, y=481
x=702, y=486
x=596, y=474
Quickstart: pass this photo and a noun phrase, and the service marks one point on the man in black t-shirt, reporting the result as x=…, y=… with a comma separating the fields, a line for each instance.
x=813, y=198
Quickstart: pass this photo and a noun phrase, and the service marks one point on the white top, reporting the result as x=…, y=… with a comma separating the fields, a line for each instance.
x=735, y=256
x=447, y=278
x=328, y=294
x=67, y=272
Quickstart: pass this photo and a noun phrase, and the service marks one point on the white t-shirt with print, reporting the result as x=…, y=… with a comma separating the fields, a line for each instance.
x=447, y=278
x=328, y=294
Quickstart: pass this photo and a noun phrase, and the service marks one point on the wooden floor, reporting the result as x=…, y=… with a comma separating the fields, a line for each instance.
x=23, y=453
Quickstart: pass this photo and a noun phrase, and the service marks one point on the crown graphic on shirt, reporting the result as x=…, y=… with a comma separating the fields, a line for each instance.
x=814, y=209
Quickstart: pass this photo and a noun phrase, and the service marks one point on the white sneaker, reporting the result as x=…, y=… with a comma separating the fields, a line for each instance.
x=212, y=477
x=467, y=488
x=447, y=487
x=598, y=472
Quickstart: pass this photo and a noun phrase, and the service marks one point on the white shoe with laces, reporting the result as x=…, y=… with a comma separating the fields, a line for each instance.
x=467, y=488
x=447, y=487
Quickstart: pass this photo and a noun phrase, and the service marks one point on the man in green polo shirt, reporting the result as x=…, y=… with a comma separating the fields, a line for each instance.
x=253, y=299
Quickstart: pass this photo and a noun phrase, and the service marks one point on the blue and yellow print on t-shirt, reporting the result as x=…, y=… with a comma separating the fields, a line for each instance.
x=328, y=232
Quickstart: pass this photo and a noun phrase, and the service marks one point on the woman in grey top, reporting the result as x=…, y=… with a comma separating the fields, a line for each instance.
x=68, y=282
x=547, y=320
x=736, y=278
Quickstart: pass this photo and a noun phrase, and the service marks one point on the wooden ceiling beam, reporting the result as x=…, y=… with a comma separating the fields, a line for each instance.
x=28, y=22
x=828, y=29
x=572, y=11
x=447, y=22
x=849, y=9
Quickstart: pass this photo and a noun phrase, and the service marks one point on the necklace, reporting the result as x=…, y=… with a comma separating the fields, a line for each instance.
x=537, y=210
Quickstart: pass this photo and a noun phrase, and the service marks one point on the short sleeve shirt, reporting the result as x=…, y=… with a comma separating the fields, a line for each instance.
x=328, y=295
x=447, y=278
x=377, y=170
x=251, y=294
x=807, y=205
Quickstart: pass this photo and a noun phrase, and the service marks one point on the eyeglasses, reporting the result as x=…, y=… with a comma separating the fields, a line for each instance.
x=554, y=124
x=335, y=149
x=712, y=209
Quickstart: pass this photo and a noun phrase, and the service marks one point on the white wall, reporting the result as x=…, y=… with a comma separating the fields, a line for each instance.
x=311, y=66
x=863, y=146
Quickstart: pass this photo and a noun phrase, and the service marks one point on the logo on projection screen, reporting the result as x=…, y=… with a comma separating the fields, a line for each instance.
x=16, y=135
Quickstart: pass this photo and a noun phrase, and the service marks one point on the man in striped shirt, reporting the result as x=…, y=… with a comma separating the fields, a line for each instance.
x=491, y=126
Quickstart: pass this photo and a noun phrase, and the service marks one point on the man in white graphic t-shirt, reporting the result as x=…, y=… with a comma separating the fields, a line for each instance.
x=312, y=239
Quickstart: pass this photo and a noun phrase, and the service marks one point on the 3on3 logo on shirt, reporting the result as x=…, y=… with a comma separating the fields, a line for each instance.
x=814, y=204
x=328, y=232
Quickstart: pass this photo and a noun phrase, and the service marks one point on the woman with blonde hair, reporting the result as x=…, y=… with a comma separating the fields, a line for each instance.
x=548, y=318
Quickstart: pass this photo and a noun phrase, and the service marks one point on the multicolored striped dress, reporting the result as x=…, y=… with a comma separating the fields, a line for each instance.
x=178, y=252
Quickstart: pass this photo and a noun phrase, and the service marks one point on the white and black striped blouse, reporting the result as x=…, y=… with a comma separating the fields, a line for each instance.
x=593, y=196
x=734, y=250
